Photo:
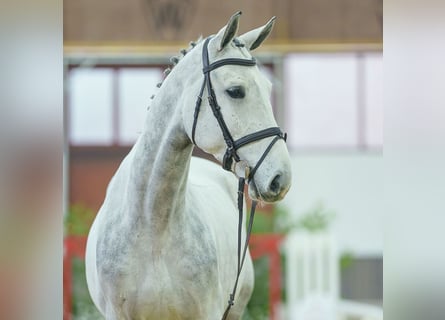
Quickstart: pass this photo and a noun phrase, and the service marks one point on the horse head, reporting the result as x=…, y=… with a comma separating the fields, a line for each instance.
x=232, y=117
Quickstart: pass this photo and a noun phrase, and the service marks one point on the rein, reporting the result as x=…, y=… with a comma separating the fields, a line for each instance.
x=231, y=154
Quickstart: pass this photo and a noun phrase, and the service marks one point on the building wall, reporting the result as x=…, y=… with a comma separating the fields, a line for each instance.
x=184, y=20
x=90, y=171
x=350, y=184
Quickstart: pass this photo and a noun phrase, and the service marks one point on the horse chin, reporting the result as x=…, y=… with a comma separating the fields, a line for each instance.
x=253, y=191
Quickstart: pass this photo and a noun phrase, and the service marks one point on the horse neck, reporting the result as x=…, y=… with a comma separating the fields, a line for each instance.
x=161, y=161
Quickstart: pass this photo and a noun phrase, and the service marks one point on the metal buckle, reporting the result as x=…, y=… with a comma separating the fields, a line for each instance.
x=243, y=167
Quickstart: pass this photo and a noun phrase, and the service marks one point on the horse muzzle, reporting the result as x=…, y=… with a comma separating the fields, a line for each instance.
x=274, y=190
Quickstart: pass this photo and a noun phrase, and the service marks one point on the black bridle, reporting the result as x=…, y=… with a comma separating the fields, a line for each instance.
x=232, y=147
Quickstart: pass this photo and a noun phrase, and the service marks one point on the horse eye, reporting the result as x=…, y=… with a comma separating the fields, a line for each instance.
x=236, y=92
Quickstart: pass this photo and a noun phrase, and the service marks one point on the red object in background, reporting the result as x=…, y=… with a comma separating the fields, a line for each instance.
x=260, y=245
x=269, y=245
x=73, y=247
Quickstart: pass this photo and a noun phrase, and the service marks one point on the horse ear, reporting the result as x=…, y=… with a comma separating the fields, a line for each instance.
x=226, y=34
x=254, y=38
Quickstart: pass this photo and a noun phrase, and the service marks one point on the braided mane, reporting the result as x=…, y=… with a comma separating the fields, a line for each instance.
x=176, y=59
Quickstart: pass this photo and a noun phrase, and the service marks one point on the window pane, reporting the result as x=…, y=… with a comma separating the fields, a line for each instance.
x=90, y=101
x=321, y=99
x=374, y=99
x=136, y=86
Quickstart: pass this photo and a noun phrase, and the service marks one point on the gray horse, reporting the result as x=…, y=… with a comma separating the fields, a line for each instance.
x=163, y=245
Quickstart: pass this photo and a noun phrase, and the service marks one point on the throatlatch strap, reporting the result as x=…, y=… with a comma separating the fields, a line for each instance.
x=207, y=67
x=197, y=109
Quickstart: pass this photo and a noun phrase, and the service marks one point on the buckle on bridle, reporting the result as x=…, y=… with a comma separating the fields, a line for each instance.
x=241, y=168
x=229, y=156
x=227, y=160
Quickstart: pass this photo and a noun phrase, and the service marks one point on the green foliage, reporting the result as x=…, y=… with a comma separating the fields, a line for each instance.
x=346, y=260
x=78, y=220
x=82, y=305
x=262, y=223
x=316, y=219
x=258, y=308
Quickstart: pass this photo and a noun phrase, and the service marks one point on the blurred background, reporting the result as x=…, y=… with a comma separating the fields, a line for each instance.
x=319, y=251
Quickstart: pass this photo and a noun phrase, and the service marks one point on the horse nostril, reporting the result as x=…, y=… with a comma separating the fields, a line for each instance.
x=275, y=185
